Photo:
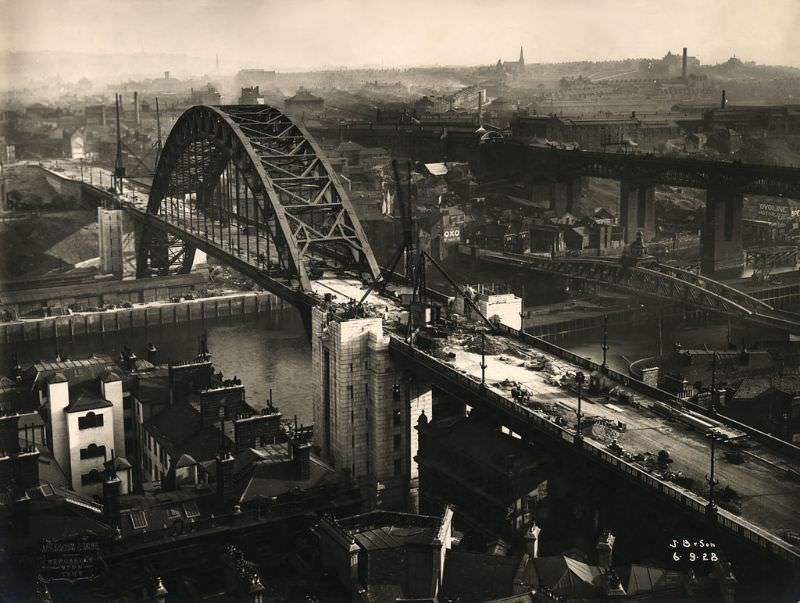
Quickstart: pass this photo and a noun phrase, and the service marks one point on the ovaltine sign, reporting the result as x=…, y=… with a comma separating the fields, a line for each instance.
x=777, y=212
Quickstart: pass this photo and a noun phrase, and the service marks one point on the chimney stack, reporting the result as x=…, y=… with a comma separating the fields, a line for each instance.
x=137, y=116
x=685, y=65
x=166, y=75
x=151, y=353
x=724, y=101
x=300, y=450
x=112, y=487
x=605, y=549
x=532, y=541
x=225, y=491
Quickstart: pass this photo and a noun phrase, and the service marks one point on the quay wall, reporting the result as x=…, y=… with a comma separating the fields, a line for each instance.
x=54, y=327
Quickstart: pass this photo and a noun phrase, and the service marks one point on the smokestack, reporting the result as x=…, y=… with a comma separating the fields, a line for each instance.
x=724, y=101
x=685, y=64
x=136, y=114
x=480, y=106
x=151, y=352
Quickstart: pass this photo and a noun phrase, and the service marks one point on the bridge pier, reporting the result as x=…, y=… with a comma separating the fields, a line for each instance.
x=366, y=409
x=109, y=235
x=637, y=210
x=722, y=252
x=564, y=193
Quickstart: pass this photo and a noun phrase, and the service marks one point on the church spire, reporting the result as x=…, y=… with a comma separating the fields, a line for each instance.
x=521, y=58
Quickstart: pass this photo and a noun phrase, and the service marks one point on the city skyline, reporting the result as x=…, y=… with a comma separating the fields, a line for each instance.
x=388, y=34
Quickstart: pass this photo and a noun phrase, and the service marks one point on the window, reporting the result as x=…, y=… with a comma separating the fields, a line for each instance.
x=190, y=509
x=396, y=417
x=138, y=520
x=397, y=442
x=221, y=411
x=93, y=451
x=90, y=420
x=397, y=467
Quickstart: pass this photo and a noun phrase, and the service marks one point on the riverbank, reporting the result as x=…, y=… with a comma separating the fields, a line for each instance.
x=138, y=315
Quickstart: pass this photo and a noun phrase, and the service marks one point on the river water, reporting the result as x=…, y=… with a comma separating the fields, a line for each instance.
x=268, y=350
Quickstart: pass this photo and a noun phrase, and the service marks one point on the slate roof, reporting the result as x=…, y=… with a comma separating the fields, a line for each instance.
x=269, y=471
x=475, y=577
x=568, y=577
x=73, y=371
x=640, y=579
x=85, y=401
x=178, y=429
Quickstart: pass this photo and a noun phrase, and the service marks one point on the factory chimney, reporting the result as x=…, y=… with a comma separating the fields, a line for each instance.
x=136, y=115
x=685, y=65
x=724, y=101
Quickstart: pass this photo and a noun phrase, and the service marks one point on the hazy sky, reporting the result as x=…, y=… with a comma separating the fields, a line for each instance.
x=313, y=33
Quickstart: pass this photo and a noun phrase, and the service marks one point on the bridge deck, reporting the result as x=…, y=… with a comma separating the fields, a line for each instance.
x=768, y=499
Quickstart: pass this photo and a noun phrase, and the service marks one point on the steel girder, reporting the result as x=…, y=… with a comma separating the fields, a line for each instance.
x=748, y=179
x=253, y=166
x=655, y=280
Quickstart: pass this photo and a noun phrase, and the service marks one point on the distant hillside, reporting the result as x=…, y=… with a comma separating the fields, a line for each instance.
x=19, y=69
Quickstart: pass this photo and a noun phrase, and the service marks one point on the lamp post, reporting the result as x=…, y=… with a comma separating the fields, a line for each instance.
x=711, y=508
x=580, y=379
x=713, y=384
x=483, y=358
x=605, y=343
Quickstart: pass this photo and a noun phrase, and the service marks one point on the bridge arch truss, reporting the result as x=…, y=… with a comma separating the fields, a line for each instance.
x=251, y=183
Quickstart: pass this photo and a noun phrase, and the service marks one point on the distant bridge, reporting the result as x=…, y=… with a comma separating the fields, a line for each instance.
x=556, y=174
x=660, y=281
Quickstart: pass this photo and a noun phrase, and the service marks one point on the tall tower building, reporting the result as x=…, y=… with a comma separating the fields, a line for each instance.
x=110, y=232
x=365, y=410
x=521, y=59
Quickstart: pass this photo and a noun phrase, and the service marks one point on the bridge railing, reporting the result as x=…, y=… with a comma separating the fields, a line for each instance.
x=640, y=387
x=687, y=499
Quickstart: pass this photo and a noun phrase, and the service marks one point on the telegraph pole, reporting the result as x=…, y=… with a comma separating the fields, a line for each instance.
x=483, y=358
x=713, y=385
x=119, y=168
x=580, y=379
x=605, y=343
x=158, y=139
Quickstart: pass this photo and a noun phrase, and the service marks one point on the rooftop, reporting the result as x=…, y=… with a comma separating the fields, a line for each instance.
x=86, y=401
x=385, y=529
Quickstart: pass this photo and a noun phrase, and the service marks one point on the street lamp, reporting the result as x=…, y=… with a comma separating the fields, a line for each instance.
x=711, y=508
x=713, y=384
x=483, y=358
x=580, y=379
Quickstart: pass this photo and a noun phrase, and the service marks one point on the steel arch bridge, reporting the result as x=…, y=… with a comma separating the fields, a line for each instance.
x=249, y=185
x=660, y=281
